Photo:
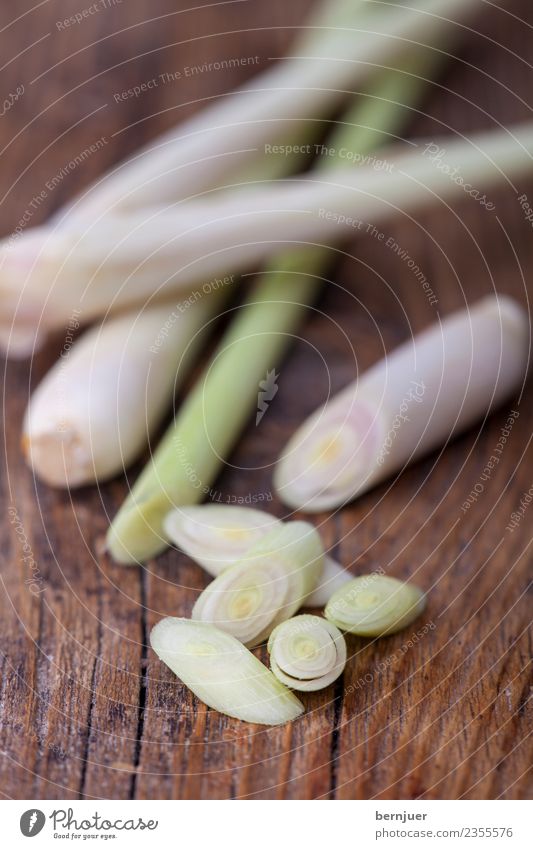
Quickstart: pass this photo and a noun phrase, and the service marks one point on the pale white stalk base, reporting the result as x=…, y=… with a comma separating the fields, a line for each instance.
x=94, y=411
x=222, y=673
x=413, y=401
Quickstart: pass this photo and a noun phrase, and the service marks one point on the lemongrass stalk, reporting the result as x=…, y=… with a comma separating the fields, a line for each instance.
x=222, y=673
x=191, y=455
x=94, y=411
x=421, y=395
x=375, y=605
x=338, y=52
x=46, y=297
x=30, y=326
x=218, y=535
x=267, y=586
x=307, y=653
x=163, y=251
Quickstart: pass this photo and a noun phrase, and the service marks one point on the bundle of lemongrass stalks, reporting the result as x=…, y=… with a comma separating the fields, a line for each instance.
x=151, y=253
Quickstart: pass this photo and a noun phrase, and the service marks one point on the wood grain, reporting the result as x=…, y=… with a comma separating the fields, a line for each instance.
x=87, y=709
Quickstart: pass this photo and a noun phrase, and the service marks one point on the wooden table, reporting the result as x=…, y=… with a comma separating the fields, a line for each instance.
x=88, y=711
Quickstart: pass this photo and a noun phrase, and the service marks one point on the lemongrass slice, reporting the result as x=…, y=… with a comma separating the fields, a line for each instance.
x=421, y=395
x=217, y=535
x=375, y=605
x=267, y=586
x=94, y=411
x=221, y=672
x=307, y=653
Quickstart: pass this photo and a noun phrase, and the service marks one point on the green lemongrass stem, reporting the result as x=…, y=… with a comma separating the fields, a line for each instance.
x=218, y=535
x=269, y=316
x=222, y=673
x=417, y=398
x=164, y=251
x=307, y=653
x=375, y=605
x=267, y=586
x=193, y=450
x=339, y=51
x=94, y=411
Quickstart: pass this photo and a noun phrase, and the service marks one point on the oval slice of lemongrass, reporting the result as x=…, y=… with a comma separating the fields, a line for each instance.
x=222, y=673
x=414, y=400
x=218, y=535
x=375, y=605
x=267, y=586
x=307, y=652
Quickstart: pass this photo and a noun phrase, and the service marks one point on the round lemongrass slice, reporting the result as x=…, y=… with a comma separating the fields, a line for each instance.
x=307, y=652
x=375, y=605
x=247, y=602
x=218, y=535
x=267, y=586
x=222, y=672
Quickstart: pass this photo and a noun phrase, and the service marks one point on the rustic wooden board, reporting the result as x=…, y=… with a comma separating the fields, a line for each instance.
x=87, y=710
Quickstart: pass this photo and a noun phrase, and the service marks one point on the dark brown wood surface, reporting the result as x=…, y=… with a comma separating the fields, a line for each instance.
x=87, y=710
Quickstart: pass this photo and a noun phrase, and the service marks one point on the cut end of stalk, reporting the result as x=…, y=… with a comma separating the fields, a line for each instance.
x=329, y=458
x=59, y=457
x=221, y=672
x=136, y=533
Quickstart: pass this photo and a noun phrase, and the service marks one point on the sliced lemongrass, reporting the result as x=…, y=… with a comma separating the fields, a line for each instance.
x=307, y=653
x=338, y=52
x=218, y=535
x=94, y=411
x=222, y=673
x=162, y=251
x=267, y=586
x=375, y=605
x=416, y=399
x=333, y=577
